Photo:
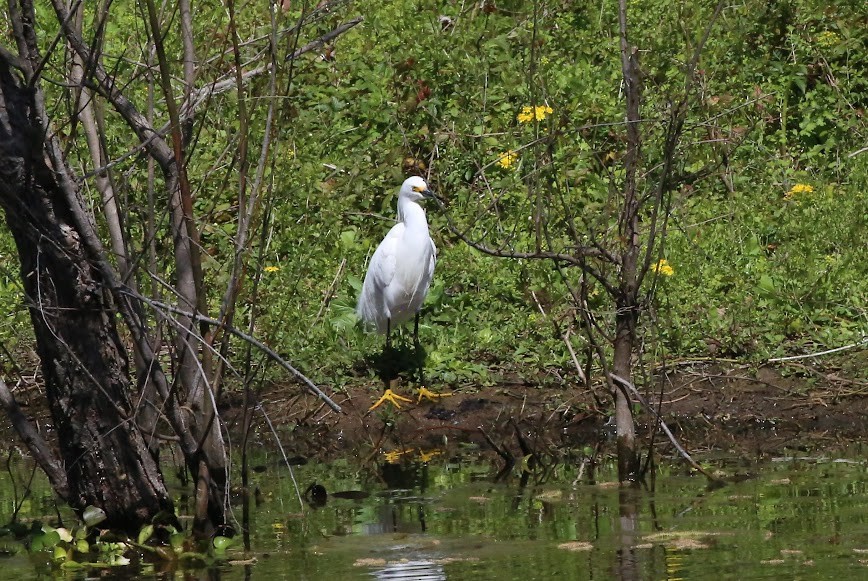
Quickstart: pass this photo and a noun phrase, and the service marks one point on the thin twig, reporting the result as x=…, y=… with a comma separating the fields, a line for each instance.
x=863, y=341
x=327, y=299
x=283, y=453
x=564, y=336
x=635, y=392
x=196, y=317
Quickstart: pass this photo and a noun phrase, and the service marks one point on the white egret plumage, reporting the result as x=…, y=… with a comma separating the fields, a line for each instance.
x=400, y=271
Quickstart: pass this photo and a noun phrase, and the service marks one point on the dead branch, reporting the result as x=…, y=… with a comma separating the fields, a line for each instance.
x=860, y=343
x=674, y=130
x=217, y=87
x=199, y=318
x=576, y=259
x=33, y=440
x=565, y=337
x=645, y=404
x=327, y=37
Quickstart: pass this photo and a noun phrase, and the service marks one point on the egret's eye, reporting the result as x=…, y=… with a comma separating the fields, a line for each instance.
x=419, y=189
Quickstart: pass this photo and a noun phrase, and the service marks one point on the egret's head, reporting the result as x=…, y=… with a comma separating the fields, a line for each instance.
x=416, y=189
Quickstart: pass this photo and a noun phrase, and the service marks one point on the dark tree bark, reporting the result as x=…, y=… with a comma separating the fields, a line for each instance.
x=84, y=363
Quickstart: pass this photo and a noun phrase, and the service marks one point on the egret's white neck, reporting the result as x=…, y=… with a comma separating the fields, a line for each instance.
x=411, y=214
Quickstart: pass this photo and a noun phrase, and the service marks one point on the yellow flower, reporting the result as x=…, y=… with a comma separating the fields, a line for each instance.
x=828, y=39
x=393, y=456
x=427, y=456
x=507, y=159
x=271, y=268
x=798, y=189
x=662, y=267
x=534, y=113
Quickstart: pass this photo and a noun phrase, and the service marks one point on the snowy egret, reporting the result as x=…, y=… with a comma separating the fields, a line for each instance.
x=400, y=272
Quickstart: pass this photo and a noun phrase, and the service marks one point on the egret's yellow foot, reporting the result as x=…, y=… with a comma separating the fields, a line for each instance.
x=428, y=394
x=392, y=397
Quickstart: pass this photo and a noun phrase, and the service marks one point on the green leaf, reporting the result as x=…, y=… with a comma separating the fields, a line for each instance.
x=221, y=544
x=766, y=284
x=348, y=239
x=145, y=534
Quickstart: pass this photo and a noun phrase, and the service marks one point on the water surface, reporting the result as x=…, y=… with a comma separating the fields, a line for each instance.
x=421, y=515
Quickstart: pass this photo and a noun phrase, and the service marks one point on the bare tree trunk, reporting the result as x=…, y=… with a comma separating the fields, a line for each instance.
x=194, y=370
x=626, y=314
x=84, y=364
x=627, y=446
x=147, y=415
x=206, y=439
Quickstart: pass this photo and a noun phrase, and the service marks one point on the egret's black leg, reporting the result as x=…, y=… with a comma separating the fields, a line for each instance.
x=418, y=349
x=388, y=334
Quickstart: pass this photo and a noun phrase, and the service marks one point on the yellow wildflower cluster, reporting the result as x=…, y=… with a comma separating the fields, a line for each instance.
x=662, y=267
x=798, y=189
x=271, y=268
x=535, y=113
x=429, y=455
x=393, y=456
x=828, y=39
x=507, y=159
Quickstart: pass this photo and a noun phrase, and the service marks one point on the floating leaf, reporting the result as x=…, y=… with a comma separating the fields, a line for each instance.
x=221, y=544
x=93, y=515
x=65, y=535
x=50, y=539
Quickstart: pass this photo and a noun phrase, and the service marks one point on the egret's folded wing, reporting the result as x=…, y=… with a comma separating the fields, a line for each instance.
x=433, y=260
x=383, y=262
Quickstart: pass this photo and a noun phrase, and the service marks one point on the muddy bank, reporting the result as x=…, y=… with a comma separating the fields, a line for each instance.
x=734, y=410
x=712, y=408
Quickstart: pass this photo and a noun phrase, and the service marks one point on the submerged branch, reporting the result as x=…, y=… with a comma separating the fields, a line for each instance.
x=635, y=392
x=35, y=443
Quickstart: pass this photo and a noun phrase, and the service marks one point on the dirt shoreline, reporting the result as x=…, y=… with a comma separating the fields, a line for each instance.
x=750, y=413
x=716, y=410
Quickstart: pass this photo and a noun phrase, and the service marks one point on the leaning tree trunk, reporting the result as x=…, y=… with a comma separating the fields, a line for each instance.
x=83, y=361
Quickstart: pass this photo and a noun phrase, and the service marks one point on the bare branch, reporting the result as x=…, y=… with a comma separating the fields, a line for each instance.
x=199, y=96
x=199, y=318
x=674, y=130
x=623, y=383
x=863, y=341
x=105, y=85
x=38, y=447
x=327, y=37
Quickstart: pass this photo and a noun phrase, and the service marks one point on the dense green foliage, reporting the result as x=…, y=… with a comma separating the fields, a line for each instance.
x=765, y=239
x=757, y=272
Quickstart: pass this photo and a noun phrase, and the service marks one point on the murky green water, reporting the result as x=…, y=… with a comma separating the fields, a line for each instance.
x=448, y=519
